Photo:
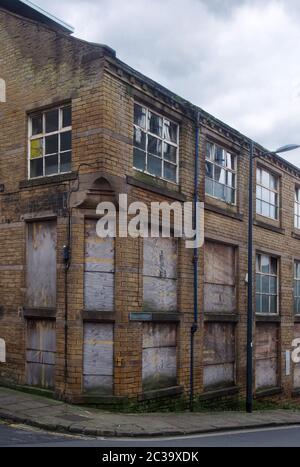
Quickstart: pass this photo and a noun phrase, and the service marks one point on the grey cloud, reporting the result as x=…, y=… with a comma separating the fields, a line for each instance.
x=238, y=59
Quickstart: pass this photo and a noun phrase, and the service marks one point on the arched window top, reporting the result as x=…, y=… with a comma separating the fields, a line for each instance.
x=2, y=90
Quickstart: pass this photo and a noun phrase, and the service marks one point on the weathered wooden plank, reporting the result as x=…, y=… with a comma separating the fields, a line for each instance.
x=159, y=368
x=160, y=257
x=266, y=355
x=266, y=341
x=99, y=291
x=296, y=366
x=159, y=294
x=98, y=384
x=219, y=354
x=215, y=376
x=219, y=298
x=158, y=335
x=99, y=252
x=41, y=264
x=266, y=373
x=219, y=263
x=99, y=270
x=40, y=353
x=98, y=357
x=219, y=343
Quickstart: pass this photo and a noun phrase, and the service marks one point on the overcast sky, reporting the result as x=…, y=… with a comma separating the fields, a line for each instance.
x=237, y=59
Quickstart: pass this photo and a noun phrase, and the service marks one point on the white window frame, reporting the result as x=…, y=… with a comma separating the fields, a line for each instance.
x=234, y=172
x=162, y=139
x=297, y=208
x=271, y=190
x=268, y=294
x=43, y=135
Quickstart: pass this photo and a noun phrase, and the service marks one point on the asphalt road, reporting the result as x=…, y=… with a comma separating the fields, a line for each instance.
x=18, y=435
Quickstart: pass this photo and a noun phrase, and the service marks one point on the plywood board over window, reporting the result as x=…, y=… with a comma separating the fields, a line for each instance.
x=41, y=264
x=296, y=366
x=219, y=355
x=40, y=353
x=159, y=355
x=266, y=355
x=160, y=274
x=98, y=358
x=99, y=270
x=219, y=278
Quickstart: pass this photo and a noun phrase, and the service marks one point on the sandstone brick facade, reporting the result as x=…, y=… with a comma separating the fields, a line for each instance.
x=119, y=350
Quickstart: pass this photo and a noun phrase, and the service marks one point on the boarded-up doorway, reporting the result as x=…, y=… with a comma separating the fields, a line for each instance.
x=160, y=274
x=40, y=353
x=41, y=264
x=219, y=355
x=296, y=373
x=266, y=355
x=159, y=355
x=98, y=348
x=219, y=278
x=99, y=270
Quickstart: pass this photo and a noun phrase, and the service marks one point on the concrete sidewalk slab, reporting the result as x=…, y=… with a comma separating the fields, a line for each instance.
x=52, y=415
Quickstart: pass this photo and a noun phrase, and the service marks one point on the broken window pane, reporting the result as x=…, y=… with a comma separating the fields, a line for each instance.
x=140, y=115
x=170, y=131
x=51, y=164
x=139, y=138
x=51, y=120
x=51, y=144
x=154, y=145
x=37, y=124
x=36, y=168
x=219, y=156
x=155, y=124
x=209, y=169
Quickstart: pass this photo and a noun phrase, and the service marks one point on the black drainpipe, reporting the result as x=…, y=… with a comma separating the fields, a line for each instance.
x=194, y=326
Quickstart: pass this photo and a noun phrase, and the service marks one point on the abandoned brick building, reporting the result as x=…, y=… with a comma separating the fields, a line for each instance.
x=100, y=320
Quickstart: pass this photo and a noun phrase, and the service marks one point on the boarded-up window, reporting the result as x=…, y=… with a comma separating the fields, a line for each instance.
x=266, y=355
x=98, y=358
x=160, y=274
x=219, y=355
x=219, y=278
x=296, y=366
x=40, y=353
x=159, y=355
x=99, y=270
x=41, y=264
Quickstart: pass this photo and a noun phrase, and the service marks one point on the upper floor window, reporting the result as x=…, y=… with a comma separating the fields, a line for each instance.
x=155, y=144
x=266, y=284
x=297, y=208
x=50, y=142
x=266, y=194
x=220, y=173
x=297, y=287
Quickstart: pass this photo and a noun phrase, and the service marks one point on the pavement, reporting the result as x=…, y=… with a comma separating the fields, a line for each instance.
x=56, y=416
